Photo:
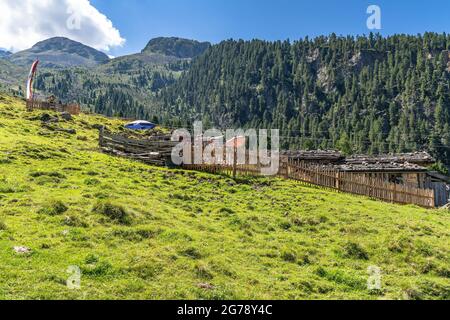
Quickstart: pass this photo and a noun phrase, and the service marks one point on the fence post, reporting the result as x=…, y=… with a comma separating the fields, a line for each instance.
x=394, y=193
x=286, y=168
x=235, y=158
x=433, y=199
x=338, y=181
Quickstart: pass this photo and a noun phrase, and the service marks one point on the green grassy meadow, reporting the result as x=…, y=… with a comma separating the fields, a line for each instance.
x=142, y=232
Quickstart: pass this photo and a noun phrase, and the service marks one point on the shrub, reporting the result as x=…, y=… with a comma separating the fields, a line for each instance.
x=53, y=208
x=288, y=256
x=92, y=182
x=112, y=211
x=400, y=244
x=53, y=174
x=354, y=250
x=98, y=269
x=91, y=259
x=146, y=271
x=134, y=234
x=74, y=221
x=192, y=253
x=10, y=187
x=203, y=271
x=228, y=211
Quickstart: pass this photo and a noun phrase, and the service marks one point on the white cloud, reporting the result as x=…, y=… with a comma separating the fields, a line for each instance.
x=25, y=22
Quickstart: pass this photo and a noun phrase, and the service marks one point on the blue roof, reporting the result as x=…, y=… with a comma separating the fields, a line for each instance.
x=140, y=125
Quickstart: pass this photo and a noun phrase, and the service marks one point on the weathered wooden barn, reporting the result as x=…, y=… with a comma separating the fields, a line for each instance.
x=408, y=169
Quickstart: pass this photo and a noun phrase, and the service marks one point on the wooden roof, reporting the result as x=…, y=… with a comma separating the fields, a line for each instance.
x=329, y=155
x=389, y=163
x=411, y=158
x=381, y=167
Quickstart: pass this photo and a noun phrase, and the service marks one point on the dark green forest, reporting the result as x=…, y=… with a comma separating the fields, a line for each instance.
x=361, y=95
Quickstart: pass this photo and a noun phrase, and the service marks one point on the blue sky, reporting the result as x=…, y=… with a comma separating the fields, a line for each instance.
x=216, y=20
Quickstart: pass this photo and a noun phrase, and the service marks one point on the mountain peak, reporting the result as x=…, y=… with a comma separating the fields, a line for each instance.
x=60, y=52
x=176, y=47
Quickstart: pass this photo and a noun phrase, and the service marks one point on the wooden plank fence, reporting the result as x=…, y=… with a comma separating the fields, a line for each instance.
x=348, y=182
x=157, y=150
x=73, y=109
x=360, y=184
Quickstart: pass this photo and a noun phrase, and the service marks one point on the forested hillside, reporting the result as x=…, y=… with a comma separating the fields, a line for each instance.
x=360, y=95
x=365, y=94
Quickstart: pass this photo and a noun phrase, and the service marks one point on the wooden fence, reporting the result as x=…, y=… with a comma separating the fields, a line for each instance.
x=360, y=184
x=73, y=109
x=354, y=183
x=155, y=150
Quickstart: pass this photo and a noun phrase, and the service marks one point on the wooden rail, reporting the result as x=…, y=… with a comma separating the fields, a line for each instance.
x=157, y=151
x=353, y=183
x=360, y=184
x=73, y=109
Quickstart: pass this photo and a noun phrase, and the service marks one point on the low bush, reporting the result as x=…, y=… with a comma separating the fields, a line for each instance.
x=355, y=251
x=192, y=253
x=288, y=256
x=114, y=212
x=53, y=208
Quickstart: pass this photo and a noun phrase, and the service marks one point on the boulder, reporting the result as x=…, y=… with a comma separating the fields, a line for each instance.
x=69, y=131
x=66, y=116
x=98, y=126
x=22, y=250
x=48, y=118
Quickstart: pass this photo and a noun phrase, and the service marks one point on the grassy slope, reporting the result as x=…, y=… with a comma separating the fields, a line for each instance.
x=253, y=239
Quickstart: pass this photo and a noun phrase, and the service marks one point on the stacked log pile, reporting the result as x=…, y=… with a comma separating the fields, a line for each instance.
x=155, y=150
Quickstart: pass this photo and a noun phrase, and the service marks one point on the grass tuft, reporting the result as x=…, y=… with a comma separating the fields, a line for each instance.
x=115, y=212
x=355, y=251
x=53, y=208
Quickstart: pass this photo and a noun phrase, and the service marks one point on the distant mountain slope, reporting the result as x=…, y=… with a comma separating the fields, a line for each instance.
x=136, y=62
x=12, y=77
x=4, y=53
x=59, y=53
x=177, y=47
x=124, y=86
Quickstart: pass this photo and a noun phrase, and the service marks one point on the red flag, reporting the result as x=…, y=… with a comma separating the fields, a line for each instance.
x=30, y=80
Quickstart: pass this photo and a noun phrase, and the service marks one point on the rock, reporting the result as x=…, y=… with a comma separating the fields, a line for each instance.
x=22, y=250
x=69, y=131
x=48, y=118
x=206, y=286
x=66, y=116
x=98, y=126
